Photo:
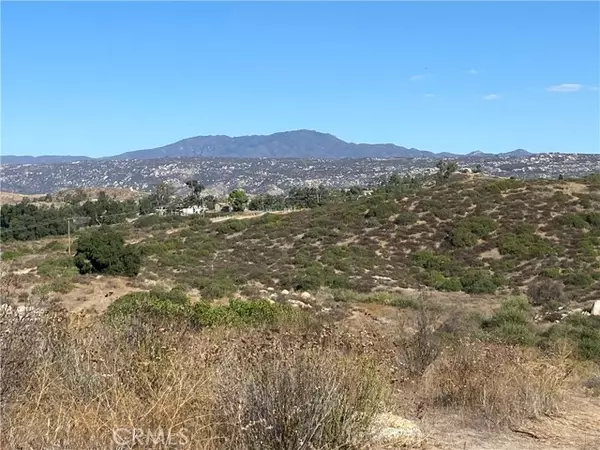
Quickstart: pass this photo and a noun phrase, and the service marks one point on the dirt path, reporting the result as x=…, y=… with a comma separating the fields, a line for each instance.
x=251, y=215
x=576, y=427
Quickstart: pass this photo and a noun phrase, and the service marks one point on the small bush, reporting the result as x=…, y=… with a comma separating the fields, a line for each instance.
x=216, y=287
x=237, y=312
x=479, y=281
x=304, y=399
x=431, y=261
x=525, y=245
x=503, y=385
x=406, y=218
x=55, y=246
x=170, y=304
x=231, y=226
x=57, y=267
x=451, y=284
x=582, y=331
x=382, y=211
x=60, y=285
x=545, y=292
x=551, y=272
x=580, y=279
x=420, y=349
x=512, y=323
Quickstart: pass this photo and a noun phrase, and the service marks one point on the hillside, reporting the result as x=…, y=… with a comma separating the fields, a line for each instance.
x=476, y=235
x=473, y=234
x=402, y=306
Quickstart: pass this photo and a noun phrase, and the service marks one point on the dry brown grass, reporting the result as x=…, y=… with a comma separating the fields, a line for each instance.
x=98, y=385
x=502, y=384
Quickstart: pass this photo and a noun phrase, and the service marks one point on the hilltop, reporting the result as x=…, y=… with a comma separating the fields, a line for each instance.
x=287, y=144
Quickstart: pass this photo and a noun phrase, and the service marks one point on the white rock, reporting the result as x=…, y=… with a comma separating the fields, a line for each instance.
x=595, y=308
x=285, y=292
x=270, y=289
x=398, y=431
x=299, y=304
x=305, y=295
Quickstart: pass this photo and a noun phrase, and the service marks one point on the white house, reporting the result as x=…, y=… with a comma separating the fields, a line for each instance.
x=191, y=210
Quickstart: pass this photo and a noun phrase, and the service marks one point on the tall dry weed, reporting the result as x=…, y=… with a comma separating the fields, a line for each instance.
x=503, y=384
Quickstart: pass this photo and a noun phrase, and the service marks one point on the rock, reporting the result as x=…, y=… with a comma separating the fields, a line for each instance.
x=595, y=311
x=270, y=289
x=305, y=295
x=285, y=292
x=395, y=430
x=299, y=304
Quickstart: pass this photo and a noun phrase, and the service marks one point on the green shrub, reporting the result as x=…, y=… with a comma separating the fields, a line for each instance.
x=55, y=246
x=583, y=331
x=231, y=226
x=382, y=211
x=170, y=304
x=237, y=313
x=315, y=275
x=431, y=261
x=574, y=220
x=512, y=323
x=57, y=267
x=218, y=286
x=462, y=237
x=470, y=230
x=524, y=244
x=104, y=251
x=551, y=272
x=451, y=284
x=406, y=218
x=580, y=279
x=479, y=281
x=61, y=285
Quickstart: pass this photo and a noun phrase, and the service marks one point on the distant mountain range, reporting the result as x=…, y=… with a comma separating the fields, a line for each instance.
x=288, y=144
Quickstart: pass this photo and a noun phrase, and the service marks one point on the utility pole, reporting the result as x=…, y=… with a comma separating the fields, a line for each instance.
x=69, y=234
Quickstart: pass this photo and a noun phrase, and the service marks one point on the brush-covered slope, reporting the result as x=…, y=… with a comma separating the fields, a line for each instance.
x=478, y=235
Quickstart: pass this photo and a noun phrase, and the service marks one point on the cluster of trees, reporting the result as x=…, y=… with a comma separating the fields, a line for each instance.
x=26, y=221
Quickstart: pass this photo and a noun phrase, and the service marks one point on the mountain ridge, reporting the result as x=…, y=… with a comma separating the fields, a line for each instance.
x=305, y=144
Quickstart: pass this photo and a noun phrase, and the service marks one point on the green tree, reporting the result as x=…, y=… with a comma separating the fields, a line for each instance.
x=445, y=169
x=196, y=189
x=162, y=194
x=104, y=251
x=238, y=199
x=145, y=206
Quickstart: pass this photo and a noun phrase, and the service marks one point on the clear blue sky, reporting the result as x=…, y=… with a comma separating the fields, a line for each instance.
x=104, y=78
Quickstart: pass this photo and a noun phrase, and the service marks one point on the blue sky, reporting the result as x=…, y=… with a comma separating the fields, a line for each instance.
x=104, y=78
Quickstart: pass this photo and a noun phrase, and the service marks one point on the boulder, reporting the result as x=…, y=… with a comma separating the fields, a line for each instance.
x=285, y=292
x=299, y=304
x=305, y=295
x=595, y=311
x=391, y=430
